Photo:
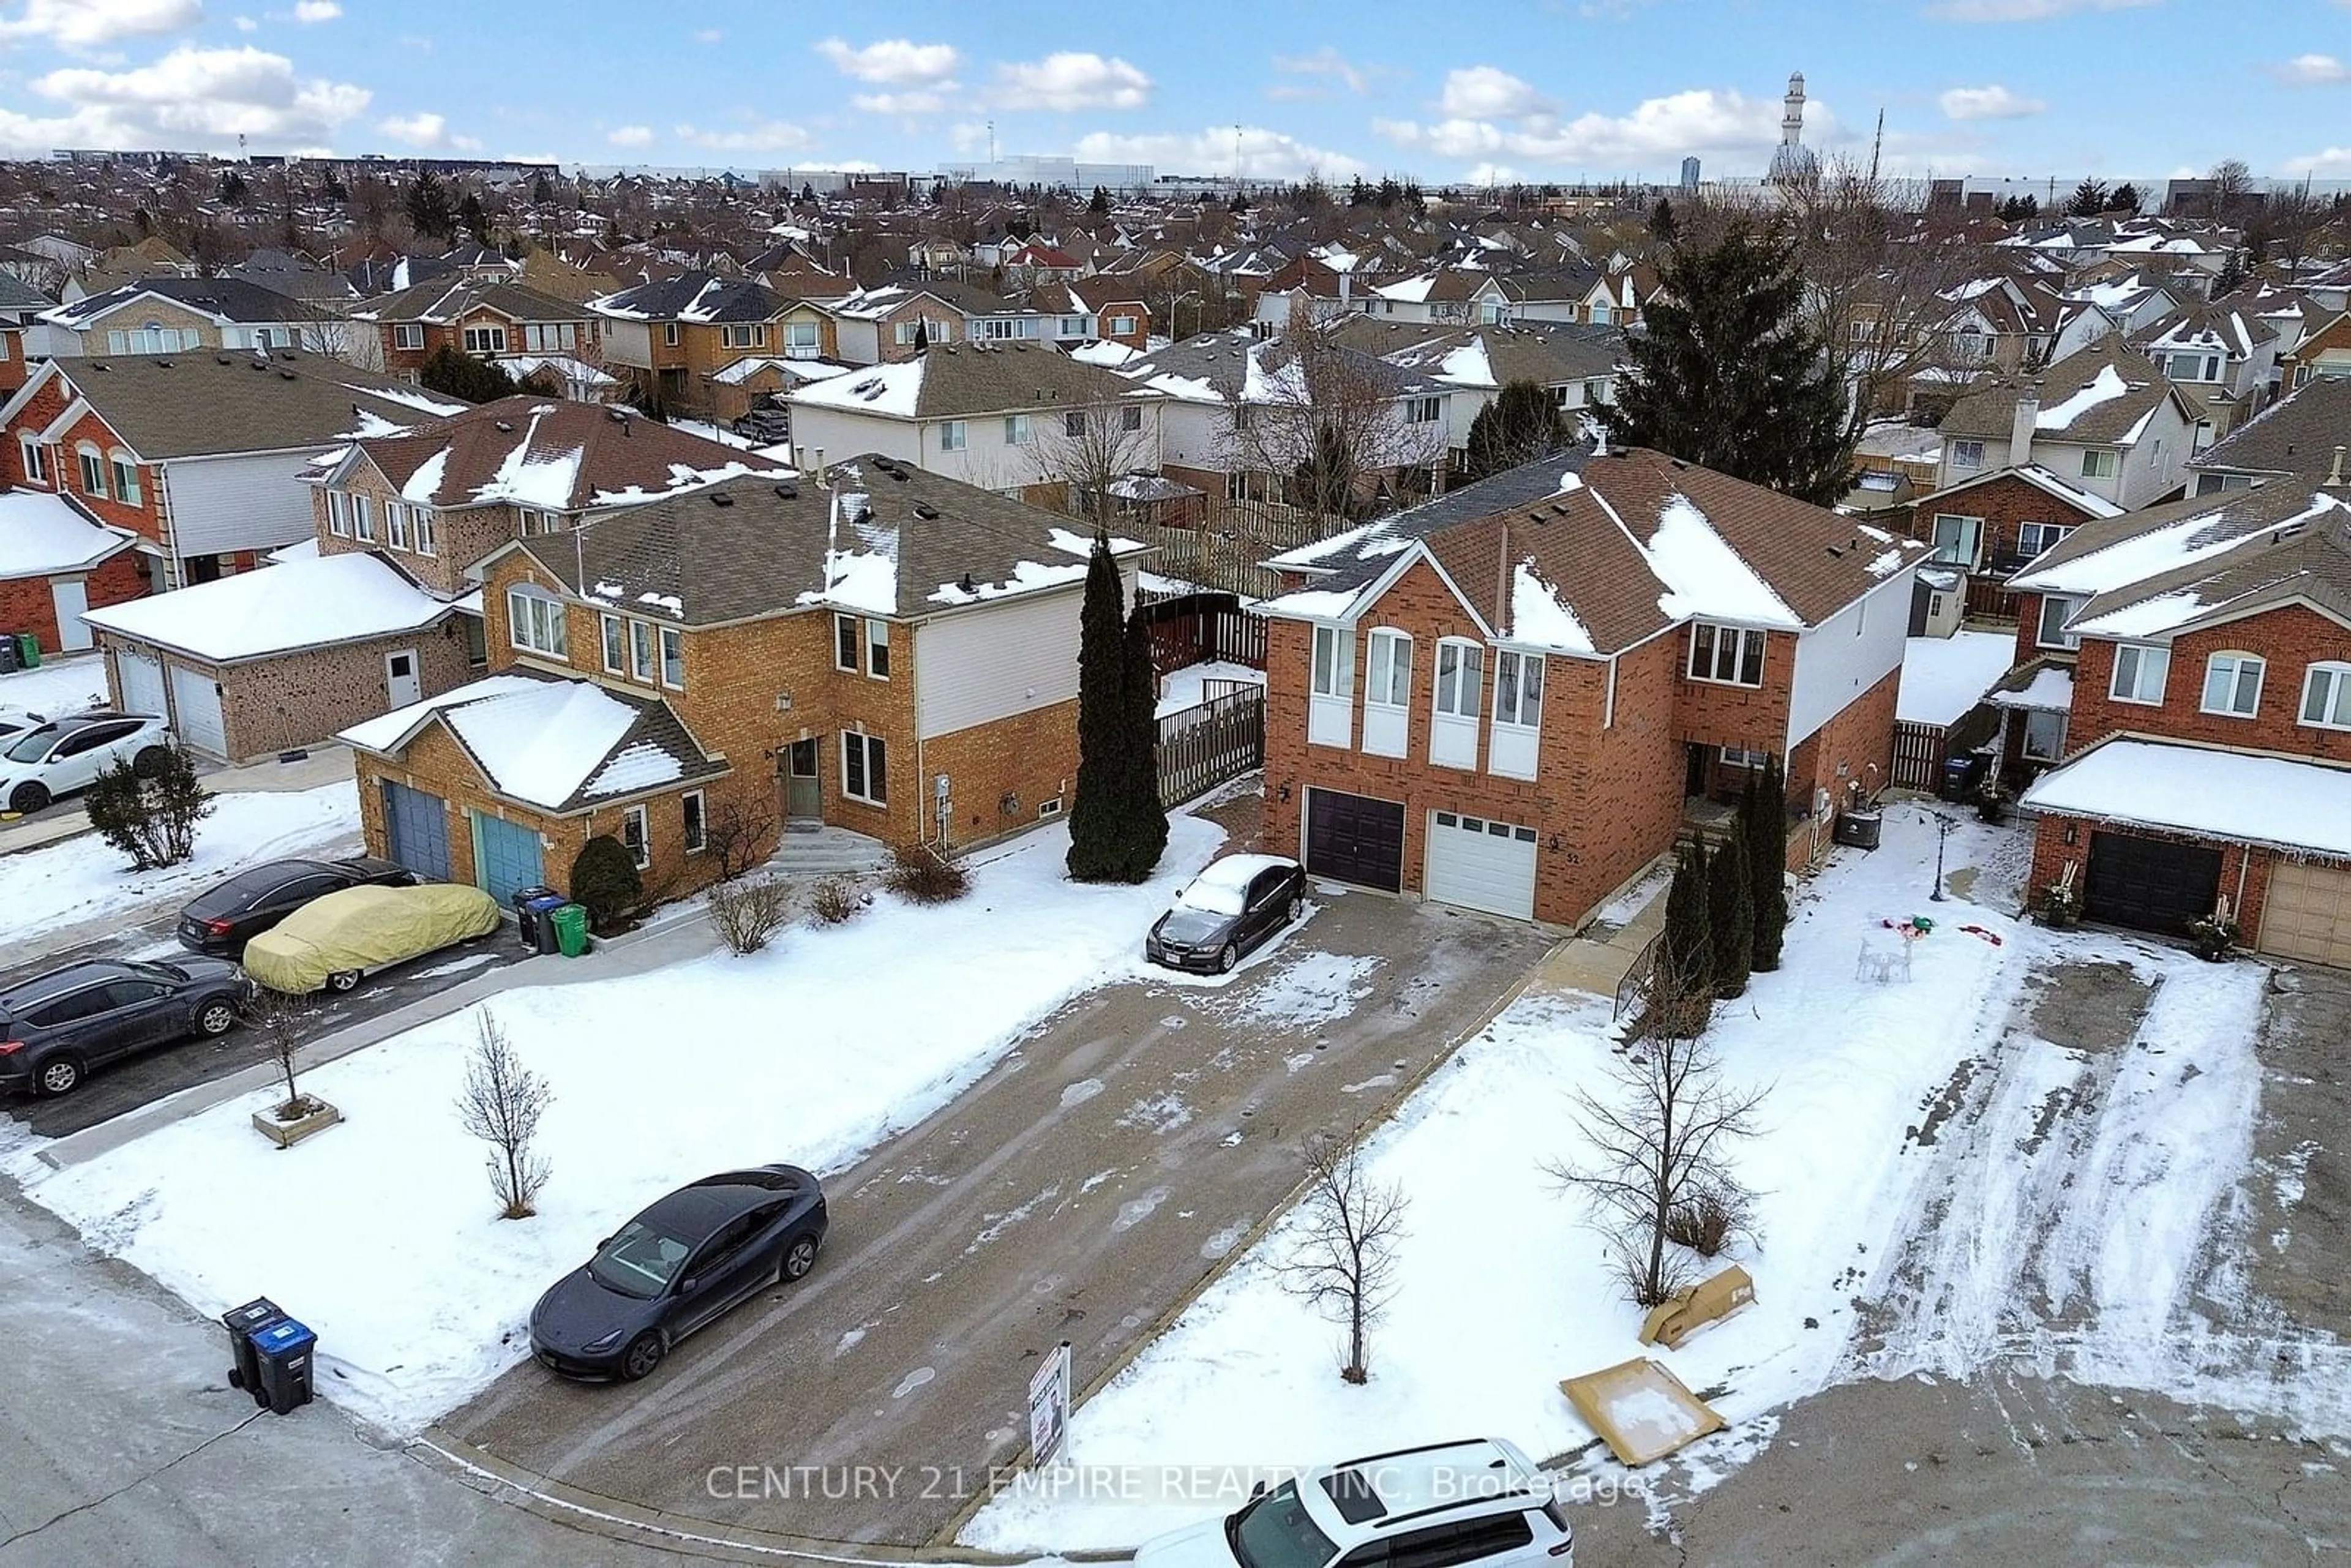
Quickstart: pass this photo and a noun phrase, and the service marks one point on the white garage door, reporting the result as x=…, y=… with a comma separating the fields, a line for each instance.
x=1481, y=864
x=141, y=676
x=2307, y=914
x=197, y=712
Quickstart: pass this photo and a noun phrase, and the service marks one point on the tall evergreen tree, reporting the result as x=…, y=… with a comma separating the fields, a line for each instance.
x=1728, y=376
x=1730, y=914
x=2126, y=200
x=1100, y=204
x=2089, y=200
x=2231, y=276
x=1522, y=423
x=542, y=190
x=1112, y=838
x=1685, y=984
x=1765, y=828
x=446, y=369
x=476, y=219
x=431, y=212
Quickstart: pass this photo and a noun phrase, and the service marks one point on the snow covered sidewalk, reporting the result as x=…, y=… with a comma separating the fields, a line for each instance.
x=380, y=1234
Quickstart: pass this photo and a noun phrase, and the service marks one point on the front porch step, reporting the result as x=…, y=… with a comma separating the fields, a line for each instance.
x=827, y=851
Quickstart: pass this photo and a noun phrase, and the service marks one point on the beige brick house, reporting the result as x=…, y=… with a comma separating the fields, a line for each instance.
x=873, y=648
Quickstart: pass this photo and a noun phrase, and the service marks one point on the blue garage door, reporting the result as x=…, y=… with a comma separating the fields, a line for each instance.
x=416, y=831
x=505, y=857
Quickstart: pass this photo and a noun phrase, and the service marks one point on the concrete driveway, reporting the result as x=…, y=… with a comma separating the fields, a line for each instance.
x=1079, y=1192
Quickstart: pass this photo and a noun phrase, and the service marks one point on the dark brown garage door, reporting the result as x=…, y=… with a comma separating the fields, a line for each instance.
x=1353, y=837
x=2153, y=884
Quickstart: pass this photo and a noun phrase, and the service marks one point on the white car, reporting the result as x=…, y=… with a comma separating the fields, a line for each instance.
x=16, y=721
x=69, y=754
x=1476, y=1504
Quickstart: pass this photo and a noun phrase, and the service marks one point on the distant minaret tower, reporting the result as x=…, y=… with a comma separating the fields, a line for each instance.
x=1792, y=159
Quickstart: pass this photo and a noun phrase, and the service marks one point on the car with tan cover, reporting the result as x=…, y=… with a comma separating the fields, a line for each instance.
x=330, y=944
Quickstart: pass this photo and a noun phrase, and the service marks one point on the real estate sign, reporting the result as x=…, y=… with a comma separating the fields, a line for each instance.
x=1049, y=1408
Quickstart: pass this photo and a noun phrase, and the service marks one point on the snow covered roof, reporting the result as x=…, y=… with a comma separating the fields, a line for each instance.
x=2116, y=555
x=559, y=744
x=1943, y=678
x=41, y=533
x=2099, y=396
x=2304, y=555
x=959, y=381
x=341, y=597
x=2296, y=434
x=2040, y=478
x=793, y=371
x=2300, y=807
x=695, y=297
x=2043, y=683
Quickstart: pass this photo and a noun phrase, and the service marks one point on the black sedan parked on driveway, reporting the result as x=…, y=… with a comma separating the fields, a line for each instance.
x=55, y=1026
x=1231, y=909
x=224, y=917
x=677, y=1266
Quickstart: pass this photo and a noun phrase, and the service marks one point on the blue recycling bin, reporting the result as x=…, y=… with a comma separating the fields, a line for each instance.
x=284, y=1350
x=539, y=922
x=245, y=1366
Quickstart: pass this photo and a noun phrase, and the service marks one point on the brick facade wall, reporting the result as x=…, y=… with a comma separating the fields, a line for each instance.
x=26, y=603
x=2291, y=638
x=1032, y=756
x=2050, y=852
x=1857, y=746
x=145, y=519
x=1756, y=717
x=134, y=314
x=13, y=371
x=435, y=764
x=460, y=538
x=35, y=416
x=2005, y=505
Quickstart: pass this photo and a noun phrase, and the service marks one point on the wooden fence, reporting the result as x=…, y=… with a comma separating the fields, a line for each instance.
x=1226, y=549
x=1199, y=628
x=1203, y=746
x=1919, y=755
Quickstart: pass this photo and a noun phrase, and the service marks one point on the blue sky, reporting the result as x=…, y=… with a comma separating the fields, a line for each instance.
x=1535, y=89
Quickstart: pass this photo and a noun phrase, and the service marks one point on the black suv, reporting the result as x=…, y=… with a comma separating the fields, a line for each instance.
x=55, y=1028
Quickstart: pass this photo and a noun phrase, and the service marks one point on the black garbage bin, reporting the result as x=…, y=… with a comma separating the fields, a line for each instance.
x=535, y=938
x=284, y=1350
x=10, y=664
x=245, y=1368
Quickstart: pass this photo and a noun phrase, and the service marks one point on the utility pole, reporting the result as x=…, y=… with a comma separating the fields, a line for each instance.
x=1237, y=157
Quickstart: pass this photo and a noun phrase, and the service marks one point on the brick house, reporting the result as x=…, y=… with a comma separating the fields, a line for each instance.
x=21, y=305
x=197, y=456
x=2324, y=355
x=872, y=647
x=2207, y=753
x=56, y=563
x=493, y=319
x=670, y=338
x=1507, y=699
x=2103, y=419
x=1993, y=525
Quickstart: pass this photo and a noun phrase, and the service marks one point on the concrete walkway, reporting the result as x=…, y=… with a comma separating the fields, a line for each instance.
x=324, y=766
x=1597, y=961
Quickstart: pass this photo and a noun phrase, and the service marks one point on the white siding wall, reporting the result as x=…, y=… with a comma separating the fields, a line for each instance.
x=1005, y=658
x=844, y=434
x=628, y=342
x=2153, y=468
x=859, y=341
x=251, y=501
x=1846, y=655
x=1196, y=435
x=986, y=460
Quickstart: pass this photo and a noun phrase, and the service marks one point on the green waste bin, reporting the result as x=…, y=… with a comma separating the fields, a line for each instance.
x=28, y=650
x=570, y=929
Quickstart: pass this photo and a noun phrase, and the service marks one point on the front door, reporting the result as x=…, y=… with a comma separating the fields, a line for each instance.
x=803, y=794
x=401, y=682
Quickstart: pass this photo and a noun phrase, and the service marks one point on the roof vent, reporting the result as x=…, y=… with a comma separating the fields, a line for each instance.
x=289, y=375
x=925, y=511
x=620, y=416
x=854, y=504
x=163, y=364
x=223, y=359
x=721, y=498
x=895, y=472
x=505, y=426
x=967, y=585
x=789, y=492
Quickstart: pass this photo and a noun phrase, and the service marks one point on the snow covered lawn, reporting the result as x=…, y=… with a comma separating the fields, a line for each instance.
x=382, y=1234
x=59, y=686
x=1180, y=689
x=85, y=877
x=1504, y=1290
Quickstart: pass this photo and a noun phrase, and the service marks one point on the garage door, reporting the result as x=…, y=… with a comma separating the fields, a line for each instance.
x=140, y=677
x=1480, y=864
x=505, y=857
x=2307, y=912
x=2153, y=884
x=197, y=712
x=1353, y=837
x=416, y=831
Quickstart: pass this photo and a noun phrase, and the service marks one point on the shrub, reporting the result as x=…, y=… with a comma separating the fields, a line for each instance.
x=834, y=900
x=748, y=911
x=150, y=814
x=1711, y=1221
x=606, y=880
x=927, y=877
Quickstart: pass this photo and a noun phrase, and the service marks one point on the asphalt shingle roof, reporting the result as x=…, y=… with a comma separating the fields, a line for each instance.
x=217, y=401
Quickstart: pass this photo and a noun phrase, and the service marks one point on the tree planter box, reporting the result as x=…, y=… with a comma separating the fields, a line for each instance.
x=287, y=1133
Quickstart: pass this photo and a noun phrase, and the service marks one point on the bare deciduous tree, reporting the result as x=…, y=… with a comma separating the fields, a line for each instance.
x=1346, y=1263
x=1089, y=450
x=1330, y=419
x=738, y=838
x=501, y=1105
x=280, y=1024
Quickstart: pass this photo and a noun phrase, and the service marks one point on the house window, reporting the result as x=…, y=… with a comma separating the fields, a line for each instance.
x=2232, y=683
x=2195, y=367
x=1741, y=757
x=641, y=650
x=864, y=768
x=2327, y=697
x=634, y=839
x=426, y=543
x=535, y=623
x=692, y=814
x=2139, y=673
x=877, y=648
x=407, y=335
x=1727, y=655
x=1073, y=327
x=2031, y=539
x=395, y=524
x=673, y=658
x=552, y=338
x=1122, y=325
x=1958, y=539
x=669, y=334
x=93, y=470
x=2044, y=735
x=746, y=336
x=539, y=522
x=338, y=514
x=1334, y=662
x=616, y=642
x=801, y=339
x=1015, y=429
x=1424, y=410
x=1595, y=394
x=954, y=435
x=1518, y=689
x=1966, y=454
x=485, y=339
x=2056, y=608
x=32, y=453
x=844, y=642
x=1073, y=423
x=1460, y=671
x=1129, y=418
x=1388, y=686
x=126, y=477
x=363, y=518
x=2098, y=462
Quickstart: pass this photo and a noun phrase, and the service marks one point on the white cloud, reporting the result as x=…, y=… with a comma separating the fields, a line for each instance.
x=246, y=24
x=1993, y=102
x=88, y=24
x=2026, y=10
x=758, y=136
x=191, y=96
x=1501, y=173
x=1488, y=92
x=427, y=132
x=893, y=62
x=1325, y=61
x=2311, y=71
x=630, y=135
x=1655, y=136
x=1265, y=154
x=921, y=100
x=309, y=12
x=1072, y=81
x=2334, y=162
